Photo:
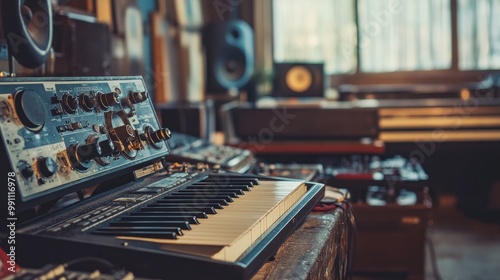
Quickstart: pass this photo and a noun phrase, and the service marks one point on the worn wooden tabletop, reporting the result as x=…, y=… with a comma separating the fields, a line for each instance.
x=313, y=251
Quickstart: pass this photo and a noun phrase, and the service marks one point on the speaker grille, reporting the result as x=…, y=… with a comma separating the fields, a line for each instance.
x=28, y=30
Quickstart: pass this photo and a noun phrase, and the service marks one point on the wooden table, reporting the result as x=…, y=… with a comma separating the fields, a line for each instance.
x=313, y=251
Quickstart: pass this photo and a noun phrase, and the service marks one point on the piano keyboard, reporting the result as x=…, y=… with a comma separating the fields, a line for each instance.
x=215, y=221
x=230, y=227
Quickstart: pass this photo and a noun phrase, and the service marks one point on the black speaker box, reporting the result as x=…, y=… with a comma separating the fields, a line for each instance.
x=298, y=80
x=27, y=27
x=195, y=119
x=82, y=47
x=229, y=48
x=289, y=122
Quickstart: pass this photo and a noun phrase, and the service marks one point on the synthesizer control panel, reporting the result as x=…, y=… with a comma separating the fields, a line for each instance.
x=190, y=149
x=59, y=134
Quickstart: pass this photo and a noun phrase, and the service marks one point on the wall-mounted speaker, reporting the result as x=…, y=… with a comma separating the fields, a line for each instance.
x=229, y=48
x=298, y=80
x=27, y=27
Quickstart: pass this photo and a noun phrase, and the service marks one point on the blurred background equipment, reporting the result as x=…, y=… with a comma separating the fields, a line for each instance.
x=186, y=148
x=191, y=118
x=392, y=205
x=82, y=45
x=289, y=121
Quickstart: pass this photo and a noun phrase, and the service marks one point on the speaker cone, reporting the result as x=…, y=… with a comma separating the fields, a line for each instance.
x=299, y=78
x=232, y=67
x=230, y=55
x=28, y=31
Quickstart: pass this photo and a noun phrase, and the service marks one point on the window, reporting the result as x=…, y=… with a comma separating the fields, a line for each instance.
x=316, y=31
x=479, y=34
x=387, y=35
x=404, y=35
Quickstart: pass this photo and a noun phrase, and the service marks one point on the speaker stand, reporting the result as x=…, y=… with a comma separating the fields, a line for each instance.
x=12, y=70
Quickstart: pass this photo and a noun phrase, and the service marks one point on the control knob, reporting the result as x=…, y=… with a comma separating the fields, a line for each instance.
x=160, y=135
x=70, y=103
x=87, y=102
x=138, y=96
x=47, y=166
x=155, y=137
x=87, y=152
x=107, y=100
x=80, y=155
x=26, y=169
x=107, y=148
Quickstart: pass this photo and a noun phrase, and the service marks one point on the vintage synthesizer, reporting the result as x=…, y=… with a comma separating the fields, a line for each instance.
x=357, y=170
x=186, y=148
x=64, y=135
x=61, y=135
x=379, y=181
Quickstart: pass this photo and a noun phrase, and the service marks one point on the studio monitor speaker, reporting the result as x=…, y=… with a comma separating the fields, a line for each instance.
x=298, y=80
x=82, y=47
x=229, y=48
x=27, y=27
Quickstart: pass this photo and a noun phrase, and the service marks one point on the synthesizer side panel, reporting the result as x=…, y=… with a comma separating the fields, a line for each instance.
x=60, y=133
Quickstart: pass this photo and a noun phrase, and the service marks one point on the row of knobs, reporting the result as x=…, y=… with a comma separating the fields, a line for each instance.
x=47, y=166
x=106, y=100
x=87, y=152
x=83, y=153
x=31, y=109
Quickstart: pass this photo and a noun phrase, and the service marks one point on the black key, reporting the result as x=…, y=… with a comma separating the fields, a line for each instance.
x=178, y=209
x=207, y=194
x=152, y=224
x=197, y=214
x=226, y=179
x=210, y=191
x=191, y=196
x=144, y=234
x=193, y=200
x=223, y=183
x=181, y=209
x=177, y=230
x=190, y=219
x=187, y=205
x=223, y=187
